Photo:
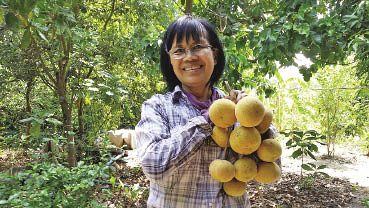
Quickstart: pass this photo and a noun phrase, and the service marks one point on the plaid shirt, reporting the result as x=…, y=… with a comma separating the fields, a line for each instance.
x=176, y=149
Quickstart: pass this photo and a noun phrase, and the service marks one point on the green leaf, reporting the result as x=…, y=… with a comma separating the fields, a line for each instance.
x=322, y=173
x=1, y=16
x=311, y=138
x=35, y=130
x=307, y=167
x=322, y=167
x=54, y=121
x=310, y=154
x=113, y=180
x=297, y=153
x=14, y=196
x=298, y=134
x=94, y=89
x=289, y=142
x=26, y=39
x=312, y=165
x=70, y=133
x=45, y=139
x=42, y=36
x=3, y=202
x=109, y=93
x=311, y=132
x=11, y=21
x=26, y=120
x=313, y=148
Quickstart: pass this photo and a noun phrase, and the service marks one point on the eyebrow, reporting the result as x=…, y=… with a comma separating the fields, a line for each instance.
x=195, y=43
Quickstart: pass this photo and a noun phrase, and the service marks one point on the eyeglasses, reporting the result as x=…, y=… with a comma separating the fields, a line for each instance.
x=197, y=50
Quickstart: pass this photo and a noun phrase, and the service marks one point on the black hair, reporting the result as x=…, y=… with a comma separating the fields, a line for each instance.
x=196, y=28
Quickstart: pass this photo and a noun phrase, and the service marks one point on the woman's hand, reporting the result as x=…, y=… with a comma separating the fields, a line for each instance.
x=236, y=95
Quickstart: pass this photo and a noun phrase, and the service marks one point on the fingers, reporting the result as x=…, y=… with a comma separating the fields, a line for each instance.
x=241, y=95
x=235, y=95
x=232, y=98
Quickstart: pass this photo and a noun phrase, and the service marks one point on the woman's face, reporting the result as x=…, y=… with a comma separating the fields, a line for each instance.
x=196, y=67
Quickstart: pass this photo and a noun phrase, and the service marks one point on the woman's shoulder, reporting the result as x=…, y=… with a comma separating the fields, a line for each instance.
x=160, y=98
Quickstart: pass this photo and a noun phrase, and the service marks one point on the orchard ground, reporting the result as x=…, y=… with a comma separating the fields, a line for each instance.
x=347, y=186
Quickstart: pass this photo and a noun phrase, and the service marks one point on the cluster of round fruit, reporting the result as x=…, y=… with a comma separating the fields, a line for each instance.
x=254, y=119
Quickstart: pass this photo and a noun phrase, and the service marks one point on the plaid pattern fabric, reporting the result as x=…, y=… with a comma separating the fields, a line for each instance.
x=176, y=149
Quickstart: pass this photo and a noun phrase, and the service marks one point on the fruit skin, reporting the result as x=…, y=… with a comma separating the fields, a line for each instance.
x=246, y=169
x=270, y=150
x=220, y=136
x=249, y=111
x=234, y=188
x=221, y=170
x=268, y=172
x=222, y=113
x=245, y=140
x=265, y=123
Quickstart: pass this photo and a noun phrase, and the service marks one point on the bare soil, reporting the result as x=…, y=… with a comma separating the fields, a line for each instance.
x=346, y=186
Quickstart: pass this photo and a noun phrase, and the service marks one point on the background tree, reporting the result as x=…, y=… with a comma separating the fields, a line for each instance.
x=51, y=30
x=100, y=59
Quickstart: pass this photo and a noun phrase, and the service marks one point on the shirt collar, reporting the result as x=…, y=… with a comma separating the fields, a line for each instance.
x=178, y=93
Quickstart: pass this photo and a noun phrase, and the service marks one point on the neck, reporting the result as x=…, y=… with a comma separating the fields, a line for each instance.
x=201, y=94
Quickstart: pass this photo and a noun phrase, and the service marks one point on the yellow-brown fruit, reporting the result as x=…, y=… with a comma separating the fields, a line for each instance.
x=265, y=123
x=270, y=150
x=268, y=172
x=246, y=169
x=249, y=111
x=220, y=136
x=245, y=140
x=221, y=113
x=221, y=170
x=234, y=188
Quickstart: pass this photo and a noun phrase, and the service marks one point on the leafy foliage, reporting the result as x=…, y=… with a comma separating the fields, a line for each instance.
x=50, y=185
x=90, y=65
x=304, y=144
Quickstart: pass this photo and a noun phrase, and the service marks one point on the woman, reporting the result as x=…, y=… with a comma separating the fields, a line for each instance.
x=173, y=135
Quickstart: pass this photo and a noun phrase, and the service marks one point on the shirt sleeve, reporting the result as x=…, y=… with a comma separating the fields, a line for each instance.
x=163, y=150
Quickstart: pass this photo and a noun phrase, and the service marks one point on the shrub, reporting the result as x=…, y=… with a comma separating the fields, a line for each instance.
x=52, y=185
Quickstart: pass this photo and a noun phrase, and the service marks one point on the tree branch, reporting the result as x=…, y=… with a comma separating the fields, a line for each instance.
x=188, y=10
x=333, y=88
x=45, y=69
x=110, y=15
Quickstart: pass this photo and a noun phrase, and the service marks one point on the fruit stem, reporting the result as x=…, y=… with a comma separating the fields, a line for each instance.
x=225, y=150
x=228, y=87
x=226, y=146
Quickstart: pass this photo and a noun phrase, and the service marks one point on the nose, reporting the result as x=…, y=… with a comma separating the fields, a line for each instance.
x=189, y=55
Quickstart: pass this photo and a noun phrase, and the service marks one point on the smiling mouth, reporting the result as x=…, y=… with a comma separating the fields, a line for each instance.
x=193, y=68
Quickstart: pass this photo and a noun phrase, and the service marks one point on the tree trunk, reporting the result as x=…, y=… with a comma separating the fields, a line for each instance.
x=67, y=121
x=81, y=124
x=328, y=133
x=61, y=85
x=28, y=104
x=67, y=118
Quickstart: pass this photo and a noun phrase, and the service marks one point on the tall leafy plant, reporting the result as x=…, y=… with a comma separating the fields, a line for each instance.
x=336, y=108
x=52, y=30
x=304, y=144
